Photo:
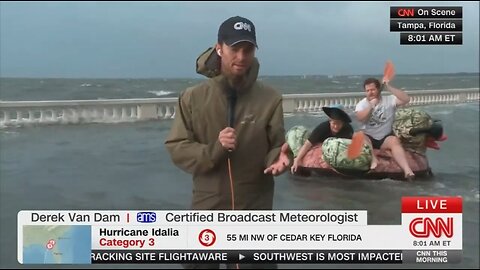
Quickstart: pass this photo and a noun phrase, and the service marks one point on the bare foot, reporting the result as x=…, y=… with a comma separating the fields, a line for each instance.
x=410, y=176
x=374, y=164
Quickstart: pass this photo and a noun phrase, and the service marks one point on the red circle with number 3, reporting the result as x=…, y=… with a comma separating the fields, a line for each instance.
x=207, y=237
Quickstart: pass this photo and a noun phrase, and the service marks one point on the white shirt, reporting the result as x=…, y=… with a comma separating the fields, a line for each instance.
x=381, y=119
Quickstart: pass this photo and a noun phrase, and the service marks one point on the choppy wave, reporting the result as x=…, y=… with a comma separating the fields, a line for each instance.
x=80, y=89
x=161, y=92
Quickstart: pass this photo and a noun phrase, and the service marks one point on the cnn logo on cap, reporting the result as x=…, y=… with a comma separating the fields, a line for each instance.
x=242, y=26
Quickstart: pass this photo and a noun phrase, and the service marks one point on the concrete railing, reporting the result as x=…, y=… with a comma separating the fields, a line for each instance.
x=19, y=113
x=298, y=103
x=85, y=111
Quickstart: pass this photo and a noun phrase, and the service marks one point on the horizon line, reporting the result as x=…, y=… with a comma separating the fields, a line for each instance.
x=260, y=76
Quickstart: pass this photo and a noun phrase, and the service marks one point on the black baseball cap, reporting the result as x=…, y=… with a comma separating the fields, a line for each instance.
x=237, y=29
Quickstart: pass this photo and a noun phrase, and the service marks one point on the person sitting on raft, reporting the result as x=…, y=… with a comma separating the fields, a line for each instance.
x=377, y=113
x=337, y=126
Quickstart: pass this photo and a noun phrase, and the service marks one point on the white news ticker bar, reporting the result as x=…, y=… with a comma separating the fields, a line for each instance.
x=297, y=218
x=387, y=237
x=170, y=218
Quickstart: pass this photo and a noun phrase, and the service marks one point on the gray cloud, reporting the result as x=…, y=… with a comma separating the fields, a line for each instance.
x=163, y=39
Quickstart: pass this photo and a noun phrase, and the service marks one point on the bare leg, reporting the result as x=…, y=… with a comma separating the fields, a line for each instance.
x=393, y=143
x=374, y=163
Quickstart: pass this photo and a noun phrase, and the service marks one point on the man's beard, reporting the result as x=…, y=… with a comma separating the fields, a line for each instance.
x=236, y=81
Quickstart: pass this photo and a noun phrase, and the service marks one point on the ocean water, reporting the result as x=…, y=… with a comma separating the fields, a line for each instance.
x=79, y=89
x=126, y=166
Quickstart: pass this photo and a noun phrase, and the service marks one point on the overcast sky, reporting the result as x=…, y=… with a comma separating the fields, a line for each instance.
x=163, y=39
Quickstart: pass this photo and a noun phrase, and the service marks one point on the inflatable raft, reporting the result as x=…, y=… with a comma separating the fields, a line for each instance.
x=416, y=130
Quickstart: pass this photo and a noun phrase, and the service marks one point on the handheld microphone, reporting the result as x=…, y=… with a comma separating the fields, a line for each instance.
x=232, y=100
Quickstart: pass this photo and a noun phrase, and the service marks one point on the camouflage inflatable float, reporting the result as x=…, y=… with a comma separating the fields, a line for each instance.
x=416, y=130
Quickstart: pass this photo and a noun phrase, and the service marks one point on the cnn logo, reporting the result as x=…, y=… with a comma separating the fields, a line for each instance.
x=424, y=227
x=404, y=12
